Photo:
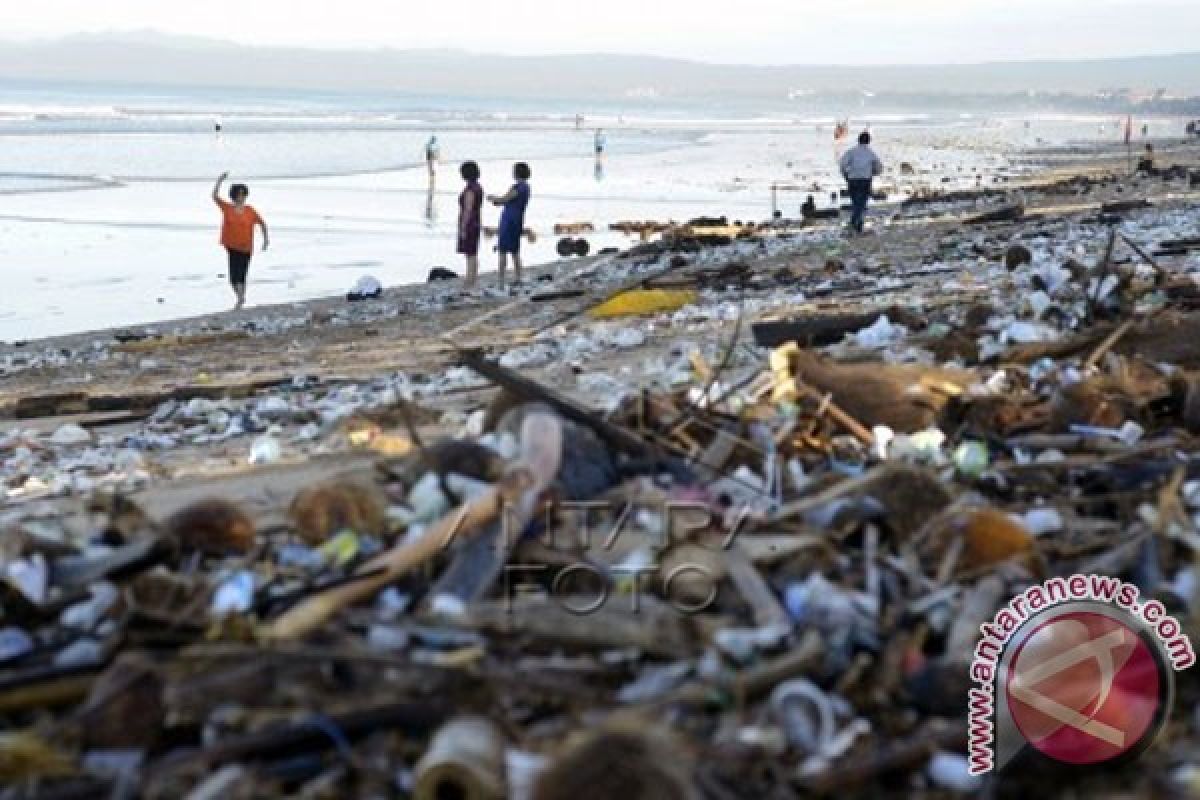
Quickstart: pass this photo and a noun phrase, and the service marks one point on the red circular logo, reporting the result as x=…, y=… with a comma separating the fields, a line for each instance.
x=1085, y=688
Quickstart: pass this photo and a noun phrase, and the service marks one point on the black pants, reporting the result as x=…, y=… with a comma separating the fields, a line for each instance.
x=860, y=195
x=239, y=265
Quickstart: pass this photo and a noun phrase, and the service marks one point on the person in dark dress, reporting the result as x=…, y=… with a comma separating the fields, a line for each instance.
x=512, y=220
x=470, y=220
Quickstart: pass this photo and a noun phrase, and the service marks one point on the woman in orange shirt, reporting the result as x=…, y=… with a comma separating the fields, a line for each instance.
x=237, y=233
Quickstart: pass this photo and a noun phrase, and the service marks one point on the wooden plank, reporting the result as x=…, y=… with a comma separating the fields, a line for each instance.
x=51, y=405
x=820, y=329
x=154, y=344
x=1012, y=213
x=91, y=420
x=532, y=392
x=655, y=628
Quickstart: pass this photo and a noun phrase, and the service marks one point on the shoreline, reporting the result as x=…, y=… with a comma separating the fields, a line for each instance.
x=447, y=298
x=1050, y=164
x=299, y=440
x=86, y=270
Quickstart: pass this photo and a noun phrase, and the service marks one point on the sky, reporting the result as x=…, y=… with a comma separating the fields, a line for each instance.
x=728, y=31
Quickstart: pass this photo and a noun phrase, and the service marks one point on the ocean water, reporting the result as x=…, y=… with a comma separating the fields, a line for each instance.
x=106, y=219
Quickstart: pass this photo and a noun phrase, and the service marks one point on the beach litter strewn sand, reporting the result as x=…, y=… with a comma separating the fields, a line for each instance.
x=735, y=545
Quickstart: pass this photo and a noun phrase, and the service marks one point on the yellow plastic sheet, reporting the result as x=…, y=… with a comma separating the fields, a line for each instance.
x=644, y=301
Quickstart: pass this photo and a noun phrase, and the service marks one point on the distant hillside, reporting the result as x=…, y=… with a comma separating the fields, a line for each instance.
x=153, y=58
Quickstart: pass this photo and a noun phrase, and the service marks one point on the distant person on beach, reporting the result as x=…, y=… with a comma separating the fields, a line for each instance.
x=431, y=209
x=512, y=220
x=237, y=233
x=809, y=209
x=1145, y=164
x=433, y=154
x=470, y=220
x=859, y=167
x=601, y=141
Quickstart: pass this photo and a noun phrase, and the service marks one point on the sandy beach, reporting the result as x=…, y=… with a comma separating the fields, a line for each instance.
x=1069, y=283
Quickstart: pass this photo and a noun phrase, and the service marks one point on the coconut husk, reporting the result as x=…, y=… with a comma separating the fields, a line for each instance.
x=624, y=760
x=905, y=398
x=319, y=512
x=213, y=526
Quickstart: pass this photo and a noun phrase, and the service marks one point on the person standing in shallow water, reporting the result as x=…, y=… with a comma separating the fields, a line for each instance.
x=470, y=220
x=512, y=220
x=433, y=154
x=237, y=233
x=859, y=167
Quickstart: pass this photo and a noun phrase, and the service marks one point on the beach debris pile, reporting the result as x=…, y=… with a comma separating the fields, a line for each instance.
x=761, y=574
